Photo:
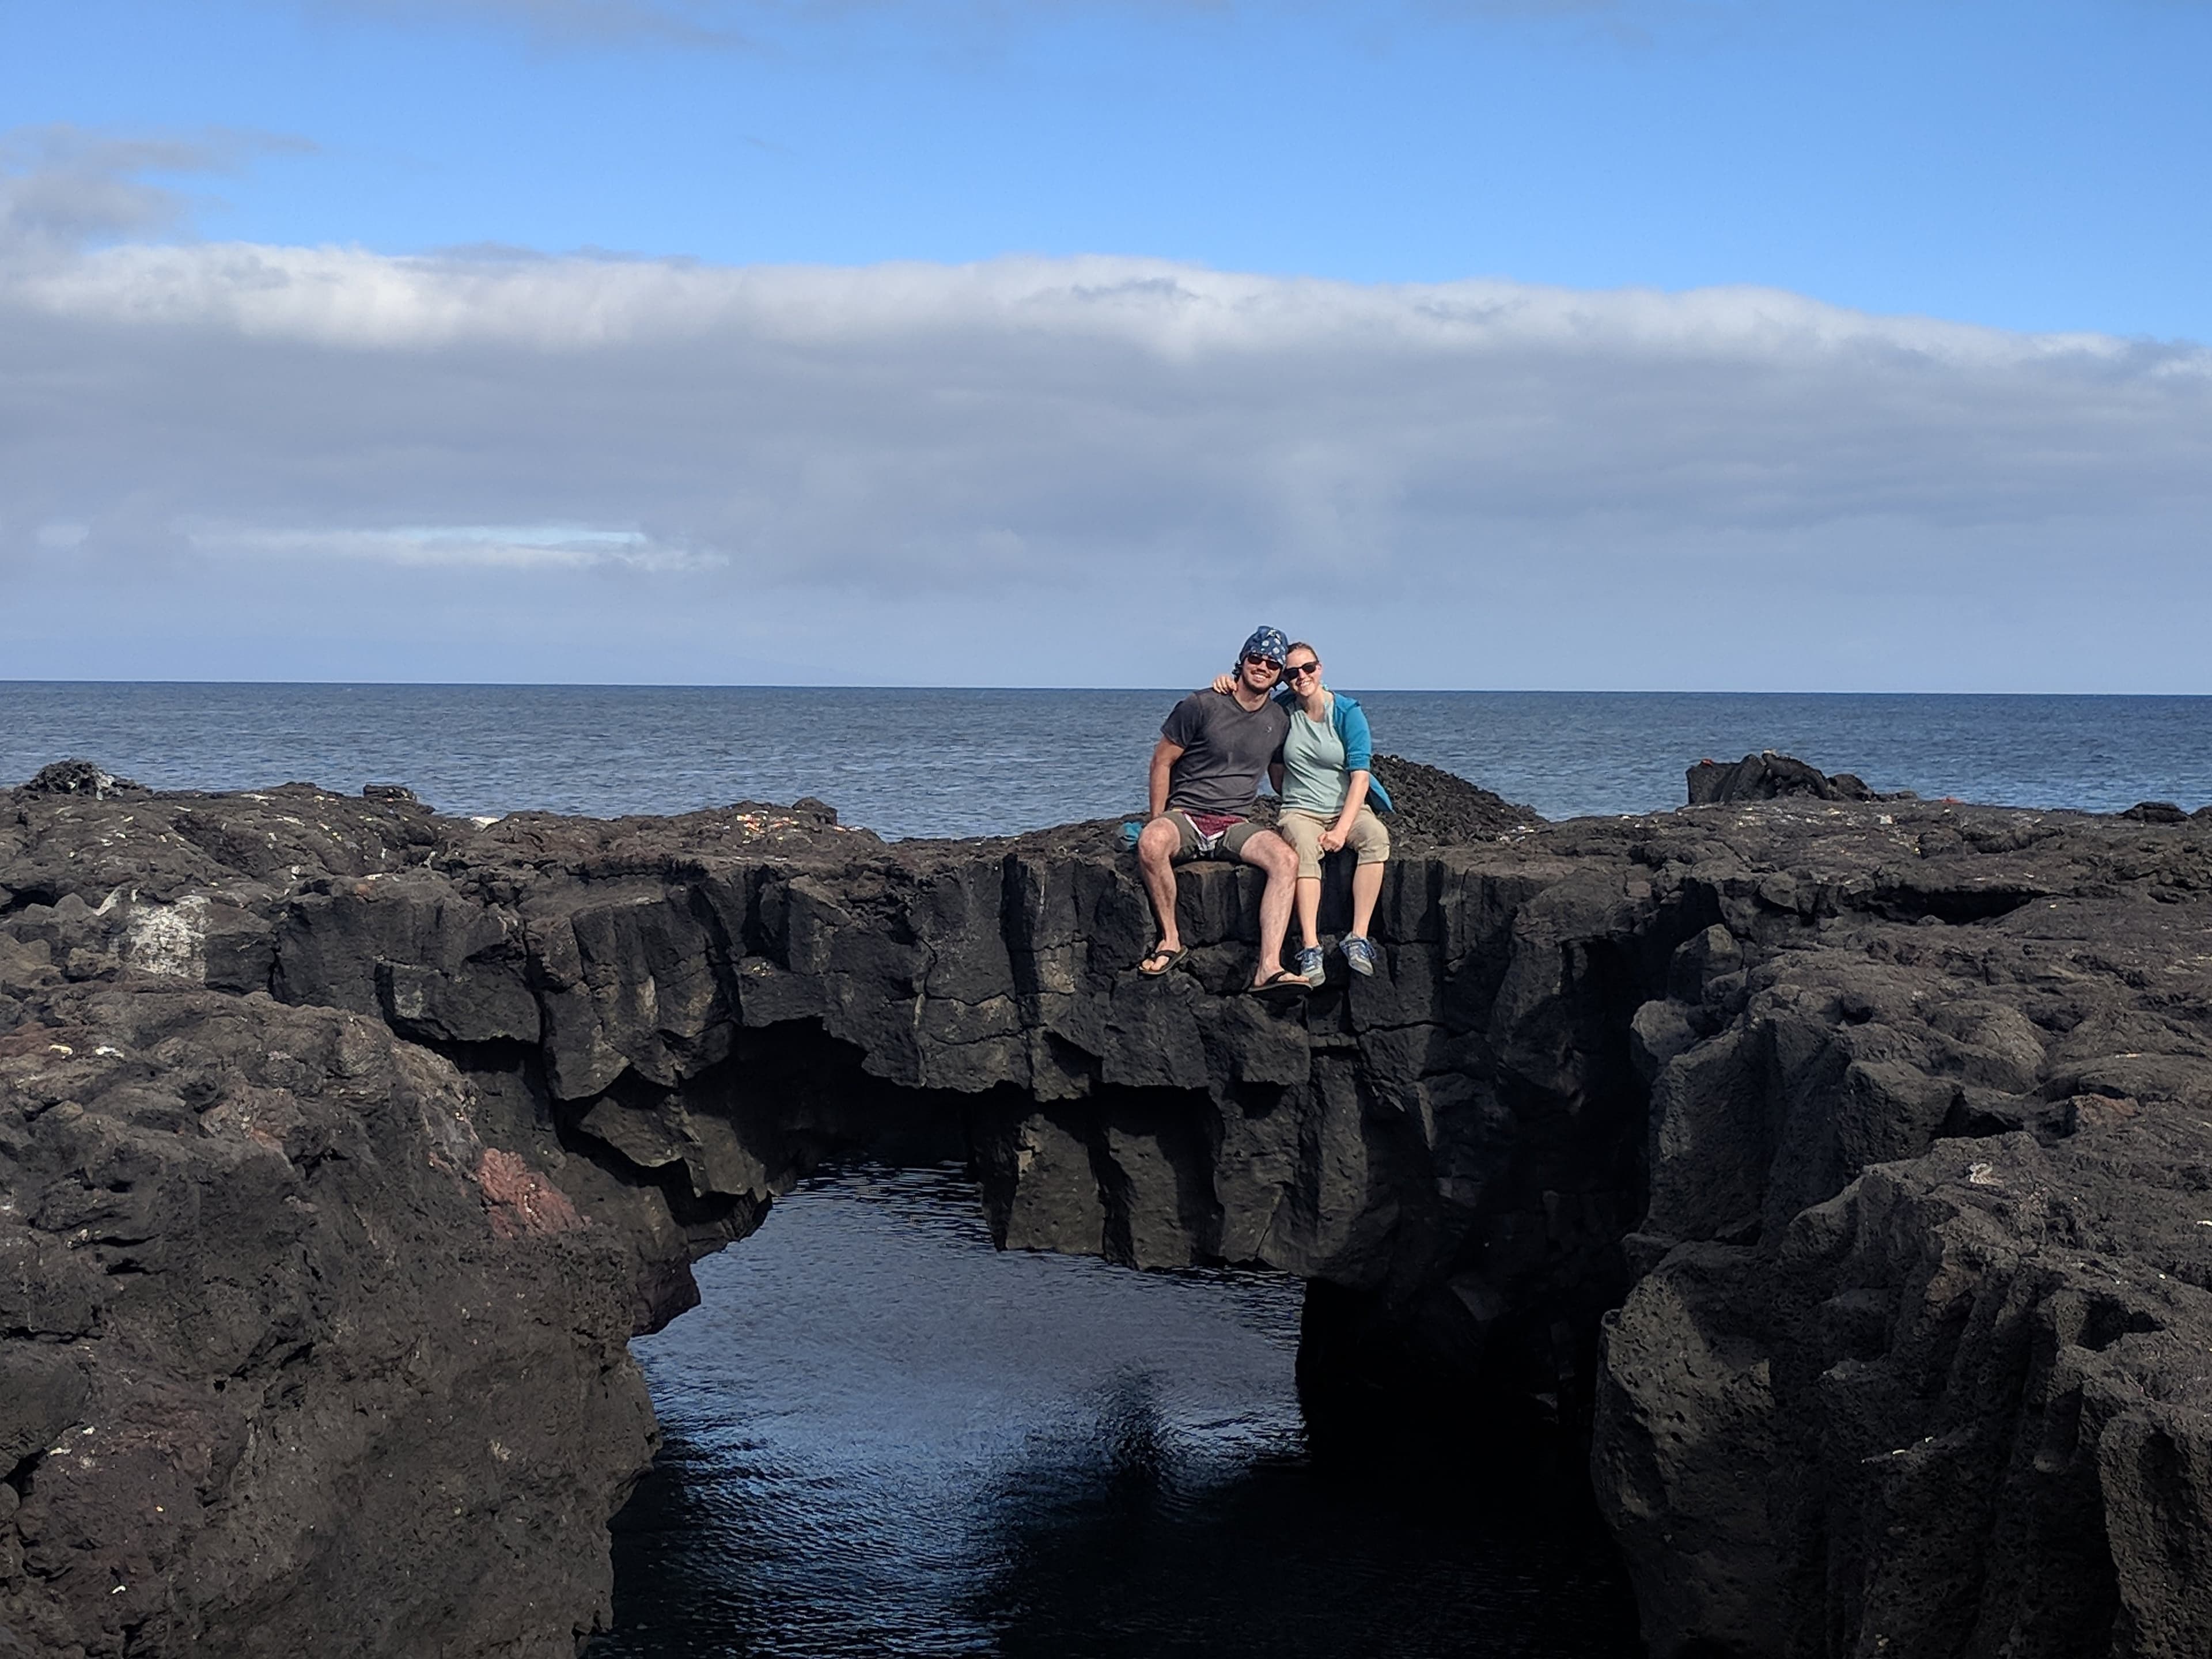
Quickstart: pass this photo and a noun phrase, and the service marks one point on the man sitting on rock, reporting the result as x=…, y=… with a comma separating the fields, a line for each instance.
x=1205, y=784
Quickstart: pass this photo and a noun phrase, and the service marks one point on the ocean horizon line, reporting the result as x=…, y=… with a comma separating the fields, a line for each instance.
x=860, y=686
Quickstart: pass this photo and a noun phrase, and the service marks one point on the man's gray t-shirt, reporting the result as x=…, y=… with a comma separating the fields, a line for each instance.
x=1226, y=746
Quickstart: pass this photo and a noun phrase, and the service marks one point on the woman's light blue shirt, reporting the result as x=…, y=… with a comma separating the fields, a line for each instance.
x=1315, y=776
x=1355, y=747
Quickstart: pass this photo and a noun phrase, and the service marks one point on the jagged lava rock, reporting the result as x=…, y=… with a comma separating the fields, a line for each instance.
x=78, y=777
x=1434, y=808
x=1772, y=777
x=1842, y=1164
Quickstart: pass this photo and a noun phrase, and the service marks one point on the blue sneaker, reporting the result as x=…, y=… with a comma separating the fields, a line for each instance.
x=1359, y=955
x=1310, y=967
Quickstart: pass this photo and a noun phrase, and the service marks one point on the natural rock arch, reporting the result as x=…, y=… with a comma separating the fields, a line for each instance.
x=346, y=1144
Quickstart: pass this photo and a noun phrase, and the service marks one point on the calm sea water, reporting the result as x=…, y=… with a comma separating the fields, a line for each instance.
x=886, y=1437
x=952, y=762
x=883, y=1437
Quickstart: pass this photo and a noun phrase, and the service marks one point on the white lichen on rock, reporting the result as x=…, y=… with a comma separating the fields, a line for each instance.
x=169, y=939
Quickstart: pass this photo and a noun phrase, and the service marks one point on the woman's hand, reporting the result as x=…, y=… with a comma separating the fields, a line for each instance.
x=1332, y=838
x=1224, y=683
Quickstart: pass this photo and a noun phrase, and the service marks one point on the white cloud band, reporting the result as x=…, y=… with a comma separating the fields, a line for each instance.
x=1043, y=436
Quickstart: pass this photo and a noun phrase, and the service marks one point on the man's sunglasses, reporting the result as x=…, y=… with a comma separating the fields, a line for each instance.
x=1298, y=671
x=1257, y=661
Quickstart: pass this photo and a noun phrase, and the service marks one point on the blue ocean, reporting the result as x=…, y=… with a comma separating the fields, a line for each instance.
x=973, y=762
x=883, y=1436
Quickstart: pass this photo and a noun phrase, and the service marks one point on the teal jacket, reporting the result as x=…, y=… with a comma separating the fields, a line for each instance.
x=1350, y=722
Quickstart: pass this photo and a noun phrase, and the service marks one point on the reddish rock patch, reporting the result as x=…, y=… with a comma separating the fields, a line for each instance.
x=522, y=1202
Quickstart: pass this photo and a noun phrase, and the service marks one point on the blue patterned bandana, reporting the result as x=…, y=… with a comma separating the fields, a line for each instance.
x=1269, y=643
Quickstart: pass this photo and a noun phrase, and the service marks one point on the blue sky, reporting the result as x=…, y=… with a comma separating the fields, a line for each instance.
x=2018, y=172
x=2028, y=165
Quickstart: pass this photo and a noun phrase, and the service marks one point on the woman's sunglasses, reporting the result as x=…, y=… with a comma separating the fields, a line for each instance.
x=1298, y=671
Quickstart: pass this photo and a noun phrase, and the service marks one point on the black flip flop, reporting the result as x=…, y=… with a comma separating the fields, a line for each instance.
x=1281, y=982
x=1165, y=968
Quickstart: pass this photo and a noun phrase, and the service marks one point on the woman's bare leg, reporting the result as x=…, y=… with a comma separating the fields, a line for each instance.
x=1309, y=910
x=1366, y=888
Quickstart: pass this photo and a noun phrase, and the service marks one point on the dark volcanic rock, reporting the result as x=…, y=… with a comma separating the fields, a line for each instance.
x=1769, y=776
x=2155, y=812
x=77, y=777
x=1436, y=808
x=309, y=1359
x=1842, y=1164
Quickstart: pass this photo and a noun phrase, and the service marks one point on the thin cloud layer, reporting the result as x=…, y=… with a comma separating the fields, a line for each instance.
x=62, y=186
x=1476, y=483
x=514, y=547
x=749, y=23
x=733, y=23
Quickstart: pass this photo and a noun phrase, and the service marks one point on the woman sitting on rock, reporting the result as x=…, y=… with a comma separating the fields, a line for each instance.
x=1324, y=777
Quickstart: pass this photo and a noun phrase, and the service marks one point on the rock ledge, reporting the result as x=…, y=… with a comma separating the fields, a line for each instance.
x=1841, y=1165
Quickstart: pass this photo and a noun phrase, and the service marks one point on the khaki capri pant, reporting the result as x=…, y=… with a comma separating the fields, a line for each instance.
x=1369, y=841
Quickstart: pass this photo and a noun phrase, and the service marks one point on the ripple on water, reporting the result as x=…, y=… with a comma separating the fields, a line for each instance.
x=886, y=1437
x=1053, y=756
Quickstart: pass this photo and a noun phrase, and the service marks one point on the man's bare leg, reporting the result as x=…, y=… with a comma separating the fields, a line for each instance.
x=1310, y=909
x=1270, y=852
x=1156, y=850
x=1366, y=888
